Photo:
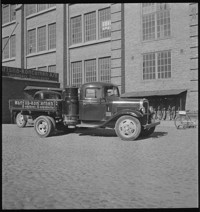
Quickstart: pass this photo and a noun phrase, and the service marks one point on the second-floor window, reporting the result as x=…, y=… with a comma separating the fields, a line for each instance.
x=104, y=23
x=155, y=20
x=45, y=40
x=76, y=30
x=90, y=26
x=31, y=41
x=52, y=36
x=42, y=38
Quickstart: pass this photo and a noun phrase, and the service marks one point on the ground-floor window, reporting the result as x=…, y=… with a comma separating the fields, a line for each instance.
x=157, y=65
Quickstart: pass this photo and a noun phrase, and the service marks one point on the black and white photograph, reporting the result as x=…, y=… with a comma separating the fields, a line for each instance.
x=100, y=106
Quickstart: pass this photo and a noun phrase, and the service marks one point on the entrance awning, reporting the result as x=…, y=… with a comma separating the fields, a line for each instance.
x=153, y=93
x=28, y=88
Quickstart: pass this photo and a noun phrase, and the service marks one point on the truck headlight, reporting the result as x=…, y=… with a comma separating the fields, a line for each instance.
x=143, y=110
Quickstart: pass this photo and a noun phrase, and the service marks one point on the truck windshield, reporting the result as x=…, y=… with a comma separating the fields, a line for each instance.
x=111, y=91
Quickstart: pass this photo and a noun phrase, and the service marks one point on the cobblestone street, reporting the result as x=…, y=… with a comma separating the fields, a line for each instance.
x=93, y=168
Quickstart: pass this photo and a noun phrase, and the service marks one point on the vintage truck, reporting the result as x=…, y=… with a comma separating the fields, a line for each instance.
x=95, y=104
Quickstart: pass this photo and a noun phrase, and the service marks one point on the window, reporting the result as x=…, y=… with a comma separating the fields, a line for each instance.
x=90, y=71
x=149, y=66
x=164, y=64
x=13, y=46
x=12, y=12
x=93, y=93
x=157, y=65
x=31, y=41
x=52, y=68
x=104, y=23
x=42, y=38
x=104, y=69
x=111, y=91
x=90, y=26
x=76, y=73
x=5, y=47
x=44, y=68
x=30, y=9
x=76, y=30
x=5, y=14
x=52, y=36
x=155, y=20
x=41, y=7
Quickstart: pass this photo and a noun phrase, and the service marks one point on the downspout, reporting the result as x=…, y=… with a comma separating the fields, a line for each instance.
x=122, y=50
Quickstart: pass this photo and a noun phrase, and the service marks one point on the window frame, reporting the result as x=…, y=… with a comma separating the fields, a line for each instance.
x=167, y=71
x=155, y=11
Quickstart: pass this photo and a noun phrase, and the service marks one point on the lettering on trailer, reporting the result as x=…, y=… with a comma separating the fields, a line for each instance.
x=35, y=104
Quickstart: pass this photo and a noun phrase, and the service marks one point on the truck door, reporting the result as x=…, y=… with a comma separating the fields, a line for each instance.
x=92, y=107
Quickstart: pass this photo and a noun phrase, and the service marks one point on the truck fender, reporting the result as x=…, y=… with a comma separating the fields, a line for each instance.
x=133, y=113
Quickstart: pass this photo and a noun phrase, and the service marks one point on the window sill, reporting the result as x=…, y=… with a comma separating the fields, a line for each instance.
x=40, y=53
x=41, y=12
x=156, y=39
x=9, y=23
x=8, y=60
x=90, y=43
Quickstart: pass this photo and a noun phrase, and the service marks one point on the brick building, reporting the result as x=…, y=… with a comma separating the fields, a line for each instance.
x=148, y=49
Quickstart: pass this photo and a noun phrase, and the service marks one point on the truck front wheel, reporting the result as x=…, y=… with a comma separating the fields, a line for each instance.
x=43, y=126
x=128, y=128
x=21, y=120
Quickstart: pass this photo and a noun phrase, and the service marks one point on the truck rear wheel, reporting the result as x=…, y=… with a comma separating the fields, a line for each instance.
x=21, y=120
x=128, y=128
x=43, y=126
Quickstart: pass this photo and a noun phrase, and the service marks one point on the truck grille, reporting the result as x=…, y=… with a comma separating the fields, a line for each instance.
x=146, y=106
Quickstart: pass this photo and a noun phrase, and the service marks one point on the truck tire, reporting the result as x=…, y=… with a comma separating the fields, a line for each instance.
x=53, y=124
x=43, y=126
x=21, y=120
x=128, y=128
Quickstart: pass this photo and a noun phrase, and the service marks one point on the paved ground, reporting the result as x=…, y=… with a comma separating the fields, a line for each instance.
x=95, y=169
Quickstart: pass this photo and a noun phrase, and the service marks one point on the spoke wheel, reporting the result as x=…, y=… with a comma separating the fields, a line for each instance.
x=43, y=126
x=128, y=128
x=21, y=120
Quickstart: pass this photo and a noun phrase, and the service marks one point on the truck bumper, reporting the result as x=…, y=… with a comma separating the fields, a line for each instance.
x=151, y=125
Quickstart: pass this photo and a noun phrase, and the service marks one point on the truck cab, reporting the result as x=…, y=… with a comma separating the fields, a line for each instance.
x=95, y=103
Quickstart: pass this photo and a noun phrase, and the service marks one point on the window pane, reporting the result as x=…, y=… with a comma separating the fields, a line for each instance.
x=164, y=64
x=5, y=47
x=42, y=38
x=31, y=41
x=104, y=23
x=52, y=68
x=90, y=70
x=104, y=69
x=90, y=26
x=149, y=66
x=76, y=30
x=42, y=7
x=12, y=12
x=148, y=27
x=76, y=73
x=30, y=9
x=52, y=36
x=163, y=24
x=13, y=46
x=5, y=14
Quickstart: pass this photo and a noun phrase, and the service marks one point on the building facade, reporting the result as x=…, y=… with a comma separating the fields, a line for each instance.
x=141, y=47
